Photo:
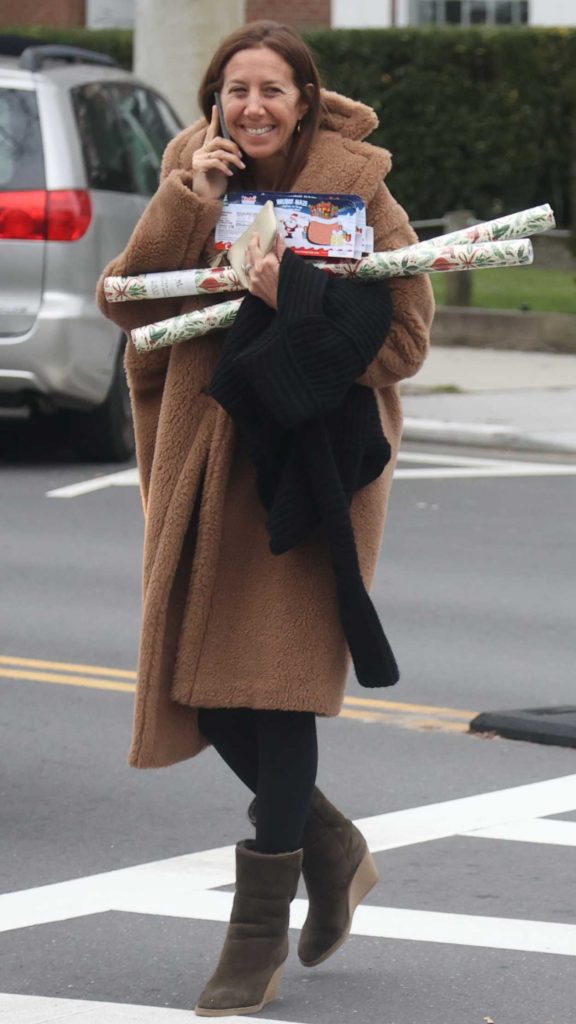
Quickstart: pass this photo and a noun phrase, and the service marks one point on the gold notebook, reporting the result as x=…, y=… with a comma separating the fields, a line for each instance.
x=266, y=225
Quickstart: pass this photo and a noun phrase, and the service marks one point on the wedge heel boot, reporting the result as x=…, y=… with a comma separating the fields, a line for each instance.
x=339, y=872
x=256, y=945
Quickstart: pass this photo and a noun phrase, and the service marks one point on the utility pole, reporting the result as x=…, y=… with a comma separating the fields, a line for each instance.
x=173, y=43
x=393, y=13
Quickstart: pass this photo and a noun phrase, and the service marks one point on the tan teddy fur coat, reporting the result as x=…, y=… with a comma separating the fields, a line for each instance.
x=225, y=623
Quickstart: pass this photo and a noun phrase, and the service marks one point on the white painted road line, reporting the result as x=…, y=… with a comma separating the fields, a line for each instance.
x=16, y=1009
x=125, y=478
x=466, y=930
x=380, y=922
x=433, y=467
x=540, y=830
x=504, y=470
x=97, y=894
x=434, y=459
x=186, y=887
x=190, y=877
x=468, y=814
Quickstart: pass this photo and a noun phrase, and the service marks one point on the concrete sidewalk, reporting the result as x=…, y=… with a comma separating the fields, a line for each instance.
x=493, y=398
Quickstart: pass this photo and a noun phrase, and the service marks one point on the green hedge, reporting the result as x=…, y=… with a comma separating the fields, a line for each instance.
x=117, y=43
x=481, y=119
x=476, y=119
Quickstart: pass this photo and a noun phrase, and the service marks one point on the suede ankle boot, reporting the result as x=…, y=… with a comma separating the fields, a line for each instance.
x=339, y=872
x=256, y=945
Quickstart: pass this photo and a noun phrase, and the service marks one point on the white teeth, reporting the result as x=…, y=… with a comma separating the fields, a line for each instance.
x=259, y=131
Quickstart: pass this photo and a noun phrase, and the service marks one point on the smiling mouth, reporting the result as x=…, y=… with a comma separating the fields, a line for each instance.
x=255, y=132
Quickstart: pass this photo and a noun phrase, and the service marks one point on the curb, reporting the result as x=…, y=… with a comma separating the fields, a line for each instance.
x=553, y=726
x=486, y=436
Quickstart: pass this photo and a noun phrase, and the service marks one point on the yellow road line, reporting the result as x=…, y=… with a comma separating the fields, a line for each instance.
x=416, y=708
x=404, y=721
x=93, y=670
x=412, y=716
x=430, y=724
x=364, y=716
x=51, y=677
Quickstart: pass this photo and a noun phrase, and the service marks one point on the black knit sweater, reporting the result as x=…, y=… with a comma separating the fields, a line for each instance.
x=287, y=379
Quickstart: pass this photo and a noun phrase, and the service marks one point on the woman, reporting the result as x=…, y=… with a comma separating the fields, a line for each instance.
x=241, y=648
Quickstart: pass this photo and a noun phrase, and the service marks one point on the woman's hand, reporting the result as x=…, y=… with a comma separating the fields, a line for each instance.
x=263, y=272
x=211, y=163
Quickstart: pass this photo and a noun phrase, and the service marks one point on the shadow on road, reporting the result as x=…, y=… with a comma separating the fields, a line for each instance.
x=37, y=441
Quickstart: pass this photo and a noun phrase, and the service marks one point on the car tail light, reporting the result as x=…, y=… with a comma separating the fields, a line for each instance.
x=23, y=215
x=60, y=216
x=68, y=215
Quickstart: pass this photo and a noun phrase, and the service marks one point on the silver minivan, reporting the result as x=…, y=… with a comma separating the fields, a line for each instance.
x=81, y=143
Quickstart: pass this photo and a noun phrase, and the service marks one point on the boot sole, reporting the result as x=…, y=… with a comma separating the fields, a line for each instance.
x=269, y=995
x=365, y=878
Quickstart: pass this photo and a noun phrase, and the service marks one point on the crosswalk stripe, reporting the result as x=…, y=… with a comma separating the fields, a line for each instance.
x=166, y=881
x=375, y=922
x=189, y=887
x=469, y=814
x=537, y=830
x=17, y=1009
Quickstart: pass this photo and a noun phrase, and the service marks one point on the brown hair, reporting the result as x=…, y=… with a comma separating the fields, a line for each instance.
x=284, y=41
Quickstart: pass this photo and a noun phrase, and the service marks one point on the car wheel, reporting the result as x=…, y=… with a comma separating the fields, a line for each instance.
x=106, y=434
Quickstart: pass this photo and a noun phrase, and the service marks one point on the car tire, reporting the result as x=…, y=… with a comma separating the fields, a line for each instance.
x=106, y=434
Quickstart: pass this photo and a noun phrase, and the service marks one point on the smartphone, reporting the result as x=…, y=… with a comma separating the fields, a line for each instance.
x=223, y=128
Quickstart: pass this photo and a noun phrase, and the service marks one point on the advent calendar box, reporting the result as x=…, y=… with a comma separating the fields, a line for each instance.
x=321, y=225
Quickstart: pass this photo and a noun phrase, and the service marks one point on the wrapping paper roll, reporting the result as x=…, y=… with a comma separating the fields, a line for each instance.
x=177, y=283
x=516, y=225
x=171, y=284
x=188, y=325
x=417, y=259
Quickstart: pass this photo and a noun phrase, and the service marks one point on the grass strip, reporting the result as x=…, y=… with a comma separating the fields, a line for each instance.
x=521, y=288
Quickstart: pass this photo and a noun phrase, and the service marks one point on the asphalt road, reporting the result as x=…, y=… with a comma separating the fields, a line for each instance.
x=475, y=915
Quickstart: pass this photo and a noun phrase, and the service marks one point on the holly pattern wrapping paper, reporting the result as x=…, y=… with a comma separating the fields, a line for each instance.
x=188, y=325
x=176, y=283
x=417, y=259
x=171, y=284
x=516, y=225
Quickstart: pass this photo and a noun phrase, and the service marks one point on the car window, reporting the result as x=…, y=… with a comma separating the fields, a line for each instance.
x=21, y=154
x=147, y=125
x=103, y=144
x=173, y=125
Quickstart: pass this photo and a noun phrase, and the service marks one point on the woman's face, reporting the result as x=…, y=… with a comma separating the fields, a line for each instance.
x=261, y=102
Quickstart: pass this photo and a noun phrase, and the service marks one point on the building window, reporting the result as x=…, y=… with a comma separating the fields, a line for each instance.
x=470, y=12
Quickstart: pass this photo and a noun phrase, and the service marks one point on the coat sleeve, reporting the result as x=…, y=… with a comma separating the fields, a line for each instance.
x=408, y=338
x=171, y=233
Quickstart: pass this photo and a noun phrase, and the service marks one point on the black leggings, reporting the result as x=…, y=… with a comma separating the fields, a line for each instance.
x=275, y=754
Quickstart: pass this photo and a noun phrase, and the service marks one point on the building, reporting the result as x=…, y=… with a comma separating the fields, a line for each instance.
x=384, y=13
x=311, y=13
